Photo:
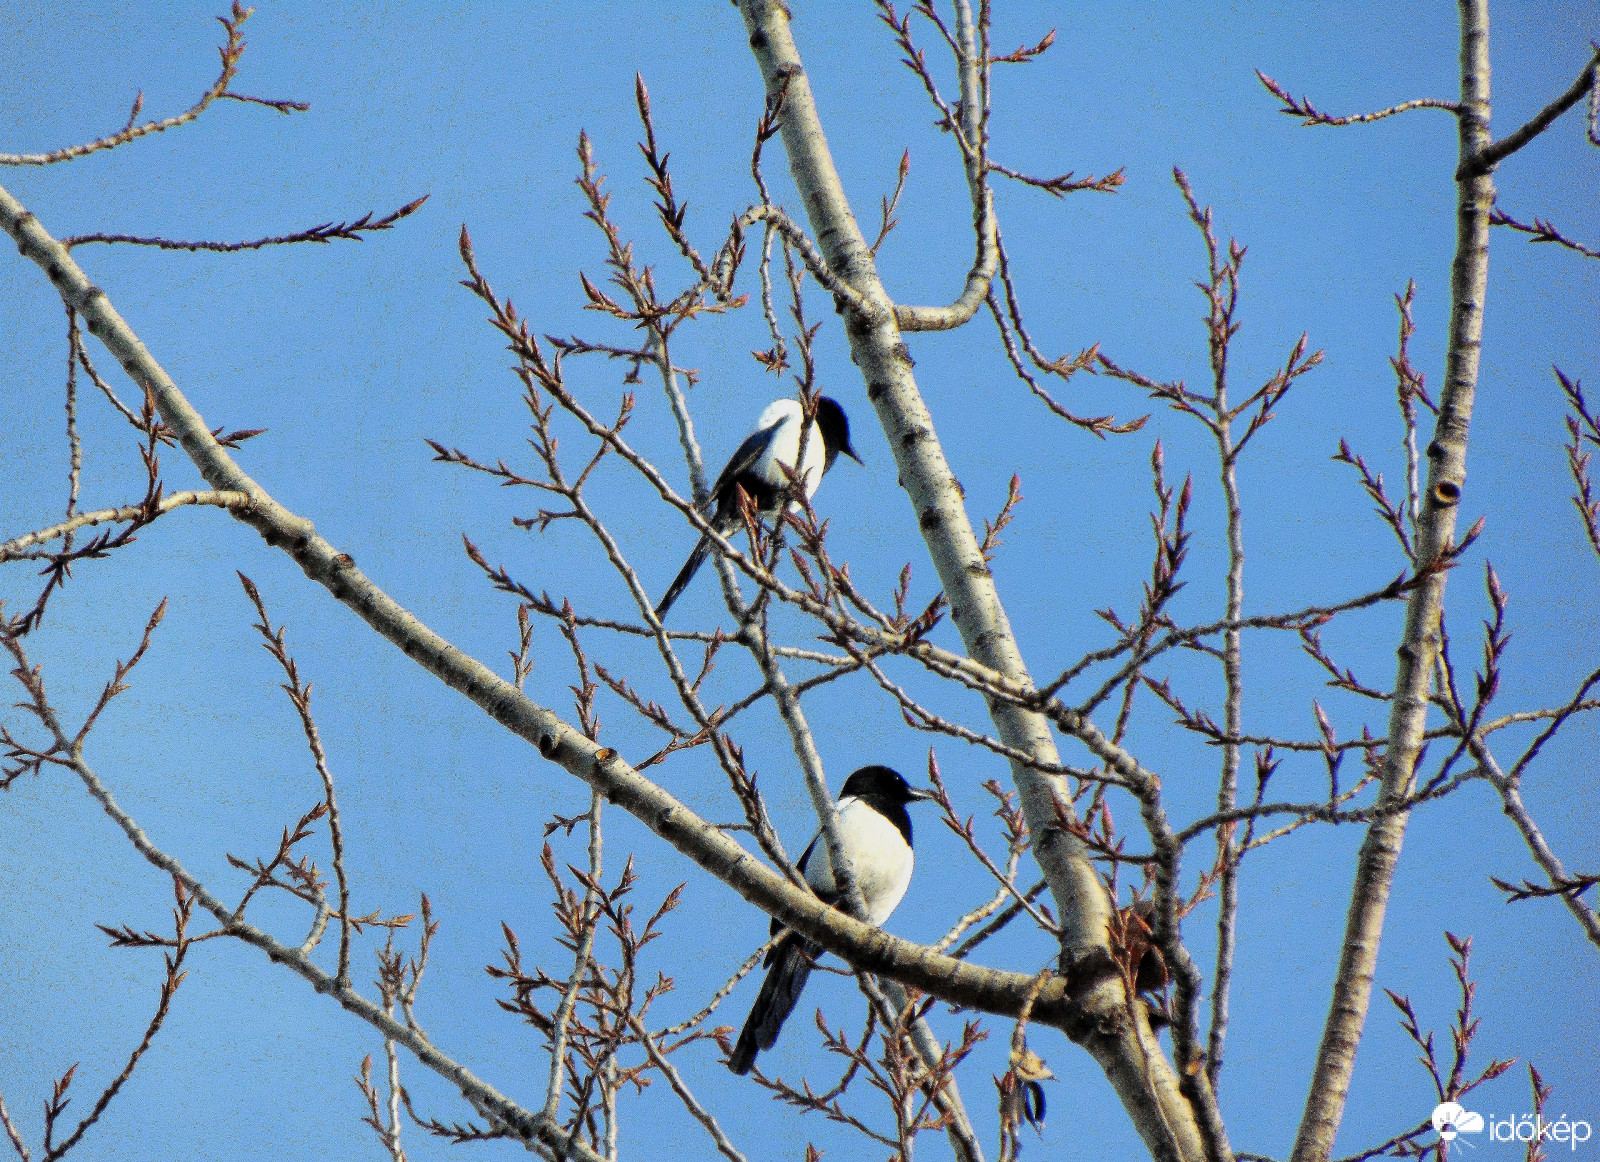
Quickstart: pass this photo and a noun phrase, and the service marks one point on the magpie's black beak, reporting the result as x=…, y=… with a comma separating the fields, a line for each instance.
x=918, y=795
x=851, y=452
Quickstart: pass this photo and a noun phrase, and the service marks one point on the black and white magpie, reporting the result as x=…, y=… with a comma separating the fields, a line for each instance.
x=755, y=468
x=876, y=833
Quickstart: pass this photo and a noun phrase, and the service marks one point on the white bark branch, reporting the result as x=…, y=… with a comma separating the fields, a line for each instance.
x=972, y=136
x=16, y=546
x=1113, y=1030
x=1419, y=645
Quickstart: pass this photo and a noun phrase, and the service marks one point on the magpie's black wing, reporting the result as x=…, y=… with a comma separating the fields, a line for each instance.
x=742, y=460
x=805, y=857
x=723, y=508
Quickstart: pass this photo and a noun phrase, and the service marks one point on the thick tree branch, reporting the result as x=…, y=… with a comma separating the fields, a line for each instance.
x=871, y=949
x=1420, y=642
x=1113, y=1030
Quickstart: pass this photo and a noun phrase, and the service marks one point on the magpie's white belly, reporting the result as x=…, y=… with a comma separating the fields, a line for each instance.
x=784, y=447
x=879, y=856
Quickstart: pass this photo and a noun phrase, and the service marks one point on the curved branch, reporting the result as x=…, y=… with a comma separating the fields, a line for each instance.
x=970, y=123
x=16, y=546
x=980, y=279
x=1310, y=115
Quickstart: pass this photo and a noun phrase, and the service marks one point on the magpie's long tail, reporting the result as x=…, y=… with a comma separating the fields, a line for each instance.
x=789, y=964
x=685, y=575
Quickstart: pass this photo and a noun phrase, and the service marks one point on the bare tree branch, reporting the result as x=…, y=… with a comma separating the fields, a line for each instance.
x=1310, y=115
x=18, y=546
x=325, y=232
x=230, y=52
x=1435, y=531
x=1132, y=1059
x=1491, y=153
x=1541, y=231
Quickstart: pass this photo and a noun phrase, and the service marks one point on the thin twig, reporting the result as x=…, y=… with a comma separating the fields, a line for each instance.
x=1542, y=230
x=231, y=52
x=675, y=1079
x=18, y=546
x=1311, y=115
x=300, y=696
x=324, y=232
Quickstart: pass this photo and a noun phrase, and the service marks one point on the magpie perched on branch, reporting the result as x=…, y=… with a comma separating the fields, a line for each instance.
x=875, y=831
x=755, y=468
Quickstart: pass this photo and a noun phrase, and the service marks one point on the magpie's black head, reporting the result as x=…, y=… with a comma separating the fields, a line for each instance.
x=835, y=428
x=882, y=785
x=886, y=792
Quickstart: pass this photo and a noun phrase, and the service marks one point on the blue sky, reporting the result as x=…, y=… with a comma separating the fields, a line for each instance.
x=351, y=354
